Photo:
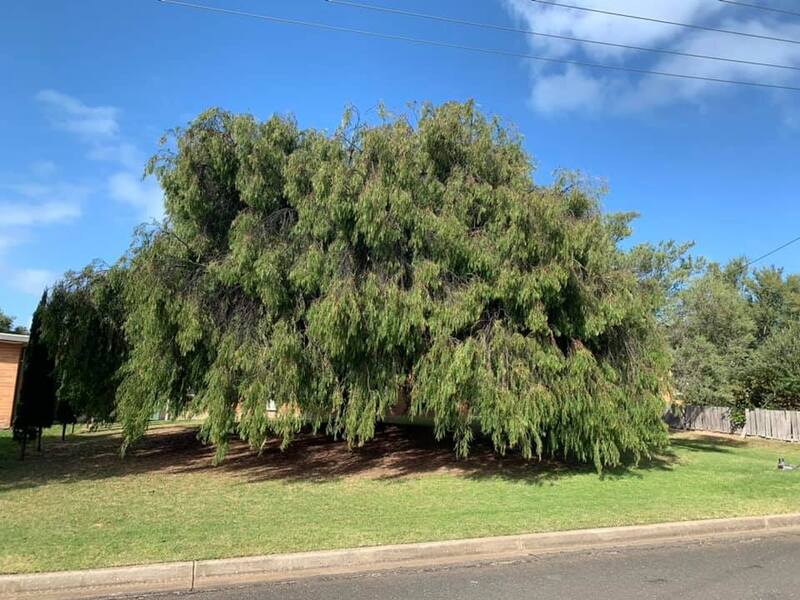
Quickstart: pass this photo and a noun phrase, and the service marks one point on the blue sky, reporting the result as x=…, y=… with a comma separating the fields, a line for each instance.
x=89, y=87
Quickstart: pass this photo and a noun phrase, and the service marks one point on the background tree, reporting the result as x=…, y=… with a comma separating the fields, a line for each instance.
x=734, y=338
x=82, y=328
x=336, y=276
x=772, y=376
x=7, y=325
x=775, y=301
x=712, y=332
x=36, y=401
x=664, y=270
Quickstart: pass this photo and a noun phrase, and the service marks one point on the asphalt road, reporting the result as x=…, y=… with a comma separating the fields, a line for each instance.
x=765, y=567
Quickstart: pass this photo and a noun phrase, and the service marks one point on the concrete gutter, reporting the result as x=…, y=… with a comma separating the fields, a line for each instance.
x=209, y=574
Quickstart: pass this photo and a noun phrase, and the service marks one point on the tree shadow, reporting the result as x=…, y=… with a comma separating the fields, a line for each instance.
x=396, y=453
x=699, y=442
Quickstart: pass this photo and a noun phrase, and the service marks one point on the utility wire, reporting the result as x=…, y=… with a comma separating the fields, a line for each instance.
x=477, y=49
x=494, y=27
x=762, y=7
x=665, y=22
x=771, y=252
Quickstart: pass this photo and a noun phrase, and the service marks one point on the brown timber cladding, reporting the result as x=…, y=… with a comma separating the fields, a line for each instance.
x=10, y=355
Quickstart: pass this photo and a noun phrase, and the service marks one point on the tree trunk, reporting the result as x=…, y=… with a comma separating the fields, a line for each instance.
x=39, y=440
x=73, y=428
x=63, y=431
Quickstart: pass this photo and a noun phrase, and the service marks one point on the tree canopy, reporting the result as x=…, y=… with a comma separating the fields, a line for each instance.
x=7, y=324
x=411, y=265
x=82, y=327
x=735, y=338
x=414, y=263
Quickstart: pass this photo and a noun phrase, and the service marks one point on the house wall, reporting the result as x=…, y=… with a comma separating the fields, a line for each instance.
x=10, y=355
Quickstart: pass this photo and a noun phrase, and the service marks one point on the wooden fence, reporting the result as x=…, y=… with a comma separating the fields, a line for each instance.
x=703, y=418
x=772, y=424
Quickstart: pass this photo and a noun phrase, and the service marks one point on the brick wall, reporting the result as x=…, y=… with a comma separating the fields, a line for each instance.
x=9, y=366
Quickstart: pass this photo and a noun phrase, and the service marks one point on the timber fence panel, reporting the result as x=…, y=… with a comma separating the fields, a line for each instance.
x=771, y=424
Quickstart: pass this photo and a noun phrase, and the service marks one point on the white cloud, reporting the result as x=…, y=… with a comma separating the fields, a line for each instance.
x=42, y=199
x=144, y=195
x=9, y=240
x=123, y=153
x=32, y=281
x=600, y=27
x=70, y=114
x=98, y=128
x=570, y=88
x=15, y=215
x=585, y=92
x=37, y=203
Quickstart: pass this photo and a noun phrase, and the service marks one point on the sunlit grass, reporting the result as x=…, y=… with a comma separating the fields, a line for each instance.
x=79, y=505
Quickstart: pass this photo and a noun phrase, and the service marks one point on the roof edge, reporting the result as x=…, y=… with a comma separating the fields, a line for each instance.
x=15, y=338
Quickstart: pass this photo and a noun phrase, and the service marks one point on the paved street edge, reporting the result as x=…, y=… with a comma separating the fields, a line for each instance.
x=209, y=574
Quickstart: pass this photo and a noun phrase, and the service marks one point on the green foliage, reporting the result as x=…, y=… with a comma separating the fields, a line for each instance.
x=7, y=325
x=36, y=400
x=712, y=331
x=82, y=327
x=664, y=270
x=336, y=276
x=65, y=414
x=734, y=336
x=772, y=376
x=775, y=301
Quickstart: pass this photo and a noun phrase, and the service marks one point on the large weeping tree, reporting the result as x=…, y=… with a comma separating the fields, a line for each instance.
x=411, y=263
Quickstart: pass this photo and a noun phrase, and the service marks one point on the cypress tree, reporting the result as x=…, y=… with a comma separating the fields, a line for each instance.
x=35, y=407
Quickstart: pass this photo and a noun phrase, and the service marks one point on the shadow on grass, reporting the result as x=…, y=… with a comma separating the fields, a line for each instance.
x=396, y=452
x=697, y=442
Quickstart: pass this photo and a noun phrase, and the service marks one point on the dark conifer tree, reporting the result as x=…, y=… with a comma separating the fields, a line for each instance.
x=35, y=407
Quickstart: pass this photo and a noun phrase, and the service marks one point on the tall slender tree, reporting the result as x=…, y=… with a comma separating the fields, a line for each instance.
x=35, y=407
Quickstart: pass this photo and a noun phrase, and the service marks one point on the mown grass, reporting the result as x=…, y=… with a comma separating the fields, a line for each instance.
x=79, y=505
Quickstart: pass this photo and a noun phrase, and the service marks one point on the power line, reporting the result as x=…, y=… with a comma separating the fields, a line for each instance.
x=762, y=7
x=771, y=252
x=665, y=22
x=494, y=27
x=490, y=51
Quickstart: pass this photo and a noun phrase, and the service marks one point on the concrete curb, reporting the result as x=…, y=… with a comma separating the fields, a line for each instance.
x=209, y=574
x=94, y=583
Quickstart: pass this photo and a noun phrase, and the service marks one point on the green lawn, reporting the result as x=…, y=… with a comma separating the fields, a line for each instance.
x=79, y=505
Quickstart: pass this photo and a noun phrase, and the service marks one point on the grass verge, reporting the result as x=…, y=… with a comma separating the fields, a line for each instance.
x=79, y=505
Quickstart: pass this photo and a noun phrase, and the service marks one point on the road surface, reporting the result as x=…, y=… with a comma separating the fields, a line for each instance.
x=766, y=567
